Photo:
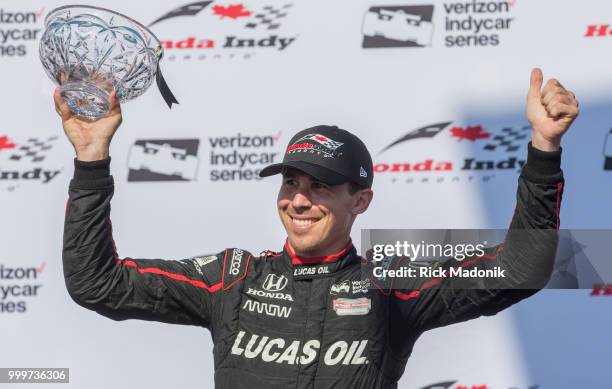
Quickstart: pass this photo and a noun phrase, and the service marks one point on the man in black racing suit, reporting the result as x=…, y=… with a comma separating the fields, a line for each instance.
x=306, y=317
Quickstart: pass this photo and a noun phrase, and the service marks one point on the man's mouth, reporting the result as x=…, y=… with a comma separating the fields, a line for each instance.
x=303, y=222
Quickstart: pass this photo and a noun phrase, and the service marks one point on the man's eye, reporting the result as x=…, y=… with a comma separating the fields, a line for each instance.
x=319, y=185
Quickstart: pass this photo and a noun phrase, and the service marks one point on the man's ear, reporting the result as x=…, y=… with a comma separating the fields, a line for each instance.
x=363, y=198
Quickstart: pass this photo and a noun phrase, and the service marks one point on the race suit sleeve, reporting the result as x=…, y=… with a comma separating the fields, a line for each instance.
x=527, y=256
x=180, y=292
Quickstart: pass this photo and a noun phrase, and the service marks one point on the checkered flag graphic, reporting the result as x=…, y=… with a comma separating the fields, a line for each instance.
x=269, y=17
x=325, y=141
x=33, y=148
x=510, y=138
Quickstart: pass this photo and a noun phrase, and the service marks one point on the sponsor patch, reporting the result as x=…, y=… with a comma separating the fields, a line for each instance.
x=236, y=262
x=264, y=308
x=352, y=307
x=270, y=295
x=207, y=266
x=361, y=286
x=310, y=271
x=274, y=283
x=299, y=352
x=342, y=287
x=200, y=262
x=235, y=265
x=350, y=287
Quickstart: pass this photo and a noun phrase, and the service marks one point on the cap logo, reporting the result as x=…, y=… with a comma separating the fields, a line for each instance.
x=362, y=172
x=298, y=146
x=325, y=141
x=315, y=144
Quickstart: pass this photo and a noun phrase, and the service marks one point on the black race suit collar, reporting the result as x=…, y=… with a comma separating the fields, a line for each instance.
x=308, y=268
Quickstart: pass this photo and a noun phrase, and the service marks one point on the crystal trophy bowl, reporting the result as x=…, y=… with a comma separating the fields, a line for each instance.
x=90, y=51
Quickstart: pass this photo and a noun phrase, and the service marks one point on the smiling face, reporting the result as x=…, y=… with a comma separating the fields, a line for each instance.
x=318, y=217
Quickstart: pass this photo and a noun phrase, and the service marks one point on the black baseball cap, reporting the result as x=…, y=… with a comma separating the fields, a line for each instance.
x=329, y=154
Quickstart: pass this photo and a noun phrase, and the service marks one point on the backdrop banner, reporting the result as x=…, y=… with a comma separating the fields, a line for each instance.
x=436, y=89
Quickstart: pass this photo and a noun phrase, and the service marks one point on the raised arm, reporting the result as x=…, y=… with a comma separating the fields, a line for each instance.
x=528, y=252
x=181, y=292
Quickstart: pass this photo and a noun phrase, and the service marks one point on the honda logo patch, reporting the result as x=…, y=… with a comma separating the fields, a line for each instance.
x=274, y=283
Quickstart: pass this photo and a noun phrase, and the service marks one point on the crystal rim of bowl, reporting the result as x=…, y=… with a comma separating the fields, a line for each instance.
x=137, y=23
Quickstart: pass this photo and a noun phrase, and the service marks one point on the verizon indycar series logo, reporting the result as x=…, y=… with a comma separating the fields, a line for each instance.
x=163, y=160
x=18, y=285
x=482, y=154
x=350, y=287
x=466, y=24
x=19, y=30
x=241, y=157
x=399, y=26
x=342, y=287
x=211, y=30
x=299, y=352
x=24, y=161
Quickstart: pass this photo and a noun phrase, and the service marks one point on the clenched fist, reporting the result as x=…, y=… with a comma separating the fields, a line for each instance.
x=550, y=111
x=90, y=138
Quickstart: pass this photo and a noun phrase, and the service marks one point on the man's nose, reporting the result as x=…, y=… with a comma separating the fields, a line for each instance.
x=301, y=200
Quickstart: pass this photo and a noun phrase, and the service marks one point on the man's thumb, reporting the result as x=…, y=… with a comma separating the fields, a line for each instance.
x=537, y=79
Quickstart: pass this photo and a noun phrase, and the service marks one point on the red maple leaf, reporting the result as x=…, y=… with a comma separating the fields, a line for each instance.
x=470, y=133
x=233, y=11
x=5, y=143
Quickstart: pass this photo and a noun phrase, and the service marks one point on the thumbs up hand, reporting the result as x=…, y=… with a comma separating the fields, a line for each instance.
x=550, y=111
